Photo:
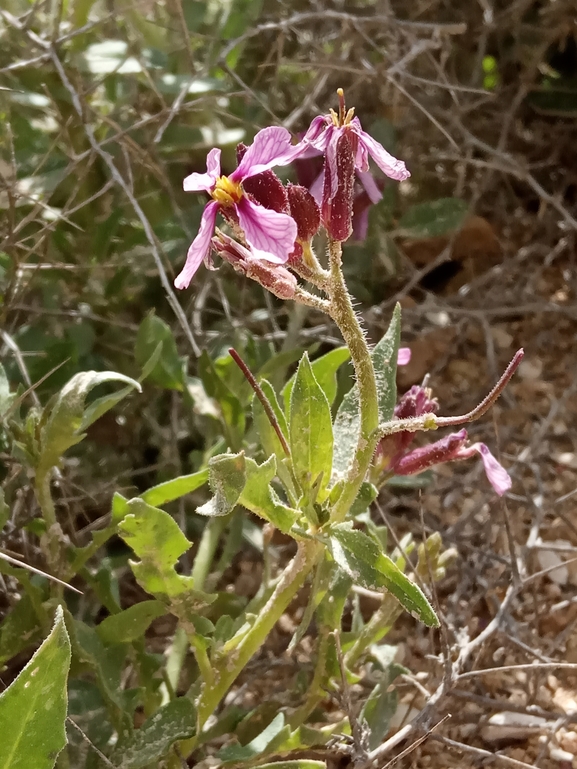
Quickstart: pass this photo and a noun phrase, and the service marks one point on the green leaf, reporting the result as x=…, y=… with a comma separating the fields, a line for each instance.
x=6, y=397
x=33, y=708
x=330, y=610
x=310, y=430
x=158, y=541
x=226, y=478
x=325, y=369
x=64, y=423
x=347, y=422
x=385, y=357
x=168, y=371
x=267, y=434
x=435, y=217
x=259, y=497
x=175, y=721
x=107, y=663
x=366, y=496
x=119, y=507
x=381, y=704
x=230, y=406
x=20, y=627
x=176, y=488
x=235, y=753
x=130, y=624
x=360, y=556
x=377, y=712
x=101, y=405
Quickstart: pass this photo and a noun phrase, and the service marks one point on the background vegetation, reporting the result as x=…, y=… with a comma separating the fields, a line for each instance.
x=106, y=106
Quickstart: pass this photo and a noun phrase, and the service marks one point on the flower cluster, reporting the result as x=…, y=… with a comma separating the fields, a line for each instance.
x=273, y=225
x=394, y=456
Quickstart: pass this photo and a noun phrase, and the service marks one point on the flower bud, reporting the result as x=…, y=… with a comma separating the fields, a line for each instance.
x=339, y=184
x=275, y=278
x=265, y=188
x=443, y=450
x=305, y=211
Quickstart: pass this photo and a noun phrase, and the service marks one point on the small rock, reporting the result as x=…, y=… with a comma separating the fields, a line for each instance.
x=511, y=726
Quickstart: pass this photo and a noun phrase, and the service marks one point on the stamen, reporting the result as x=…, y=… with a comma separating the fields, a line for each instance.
x=226, y=192
x=342, y=108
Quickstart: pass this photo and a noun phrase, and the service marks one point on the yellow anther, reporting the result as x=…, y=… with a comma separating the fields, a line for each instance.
x=226, y=192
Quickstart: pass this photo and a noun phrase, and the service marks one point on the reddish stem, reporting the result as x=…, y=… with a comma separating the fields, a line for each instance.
x=488, y=401
x=258, y=391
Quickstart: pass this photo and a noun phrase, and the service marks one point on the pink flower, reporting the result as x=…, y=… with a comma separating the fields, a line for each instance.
x=404, y=356
x=498, y=477
x=451, y=448
x=269, y=234
x=323, y=135
x=346, y=148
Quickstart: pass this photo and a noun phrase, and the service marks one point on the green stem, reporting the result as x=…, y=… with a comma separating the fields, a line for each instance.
x=316, y=691
x=228, y=668
x=202, y=563
x=44, y=497
x=377, y=627
x=343, y=313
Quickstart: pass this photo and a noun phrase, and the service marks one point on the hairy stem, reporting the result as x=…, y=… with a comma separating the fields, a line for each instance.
x=44, y=497
x=343, y=313
x=233, y=661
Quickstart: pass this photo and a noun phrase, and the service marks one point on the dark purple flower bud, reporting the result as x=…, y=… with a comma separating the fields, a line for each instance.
x=265, y=188
x=443, y=450
x=416, y=402
x=339, y=186
x=305, y=211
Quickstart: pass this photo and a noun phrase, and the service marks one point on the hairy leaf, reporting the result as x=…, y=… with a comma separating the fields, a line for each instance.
x=310, y=429
x=360, y=556
x=33, y=707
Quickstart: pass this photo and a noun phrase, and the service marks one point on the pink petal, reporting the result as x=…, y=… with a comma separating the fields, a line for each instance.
x=496, y=474
x=199, y=247
x=316, y=133
x=271, y=235
x=362, y=158
x=367, y=180
x=316, y=188
x=331, y=165
x=360, y=224
x=271, y=147
x=204, y=182
x=393, y=168
x=404, y=356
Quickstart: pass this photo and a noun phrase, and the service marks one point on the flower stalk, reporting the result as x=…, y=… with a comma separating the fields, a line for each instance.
x=343, y=313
